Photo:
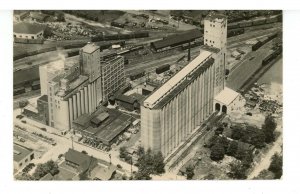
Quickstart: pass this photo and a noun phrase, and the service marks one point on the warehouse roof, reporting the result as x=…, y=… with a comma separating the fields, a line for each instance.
x=100, y=118
x=27, y=28
x=176, y=79
x=124, y=98
x=227, y=96
x=21, y=152
x=26, y=75
x=177, y=39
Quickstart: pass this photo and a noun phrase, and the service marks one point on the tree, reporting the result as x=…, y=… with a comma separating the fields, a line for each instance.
x=42, y=169
x=60, y=17
x=237, y=171
x=236, y=133
x=140, y=151
x=247, y=159
x=209, y=177
x=258, y=139
x=265, y=175
x=24, y=176
x=159, y=166
x=123, y=152
x=276, y=166
x=217, y=152
x=143, y=174
x=232, y=148
x=22, y=104
x=189, y=172
x=268, y=128
x=52, y=167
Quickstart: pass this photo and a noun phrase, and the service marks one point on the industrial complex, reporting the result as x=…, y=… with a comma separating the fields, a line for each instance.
x=156, y=88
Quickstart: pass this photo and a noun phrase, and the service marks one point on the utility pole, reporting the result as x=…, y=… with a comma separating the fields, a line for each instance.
x=72, y=142
x=131, y=165
x=189, y=52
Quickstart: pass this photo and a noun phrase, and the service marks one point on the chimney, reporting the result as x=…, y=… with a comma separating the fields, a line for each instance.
x=189, y=52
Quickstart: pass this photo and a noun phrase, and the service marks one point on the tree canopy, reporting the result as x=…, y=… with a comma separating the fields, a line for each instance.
x=276, y=166
x=217, y=152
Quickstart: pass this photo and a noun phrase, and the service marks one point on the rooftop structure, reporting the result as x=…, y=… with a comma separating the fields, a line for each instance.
x=80, y=160
x=177, y=39
x=90, y=48
x=111, y=124
x=226, y=96
x=102, y=173
x=216, y=16
x=168, y=86
x=21, y=152
x=27, y=28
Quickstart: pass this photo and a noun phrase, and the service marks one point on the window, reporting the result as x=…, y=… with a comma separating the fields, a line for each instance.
x=32, y=37
x=20, y=164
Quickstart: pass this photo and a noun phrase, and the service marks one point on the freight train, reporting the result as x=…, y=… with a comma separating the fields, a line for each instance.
x=103, y=37
x=261, y=43
x=162, y=69
x=235, y=32
x=272, y=55
x=131, y=50
x=243, y=24
x=137, y=75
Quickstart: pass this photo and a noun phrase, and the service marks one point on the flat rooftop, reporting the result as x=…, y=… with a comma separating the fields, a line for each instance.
x=73, y=85
x=184, y=84
x=21, y=152
x=177, y=39
x=216, y=16
x=111, y=127
x=176, y=79
x=210, y=48
x=227, y=96
x=90, y=48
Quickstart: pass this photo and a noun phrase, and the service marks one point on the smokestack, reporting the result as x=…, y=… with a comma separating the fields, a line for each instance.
x=189, y=52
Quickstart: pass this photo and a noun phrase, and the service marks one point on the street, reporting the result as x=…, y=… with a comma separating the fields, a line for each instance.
x=64, y=144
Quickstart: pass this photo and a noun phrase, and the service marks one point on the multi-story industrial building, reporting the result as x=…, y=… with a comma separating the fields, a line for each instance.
x=80, y=88
x=106, y=68
x=172, y=112
x=48, y=72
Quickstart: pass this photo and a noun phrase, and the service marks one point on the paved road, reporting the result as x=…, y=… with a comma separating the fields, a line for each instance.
x=64, y=143
x=246, y=68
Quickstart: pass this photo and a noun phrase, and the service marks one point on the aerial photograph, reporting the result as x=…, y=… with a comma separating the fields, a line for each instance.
x=147, y=95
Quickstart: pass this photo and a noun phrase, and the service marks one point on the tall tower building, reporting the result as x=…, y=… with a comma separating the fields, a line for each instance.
x=215, y=41
x=177, y=109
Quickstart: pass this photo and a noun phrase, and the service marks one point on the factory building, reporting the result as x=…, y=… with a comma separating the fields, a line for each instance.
x=176, y=109
x=80, y=88
x=48, y=72
x=105, y=68
x=28, y=31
